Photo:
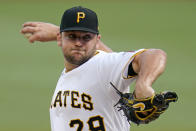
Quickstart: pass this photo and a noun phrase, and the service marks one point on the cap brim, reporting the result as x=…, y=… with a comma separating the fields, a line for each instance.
x=79, y=29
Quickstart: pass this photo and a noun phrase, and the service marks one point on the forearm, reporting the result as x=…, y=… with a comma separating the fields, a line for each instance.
x=151, y=64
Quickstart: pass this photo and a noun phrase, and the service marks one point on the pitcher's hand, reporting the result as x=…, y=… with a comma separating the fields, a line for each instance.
x=40, y=31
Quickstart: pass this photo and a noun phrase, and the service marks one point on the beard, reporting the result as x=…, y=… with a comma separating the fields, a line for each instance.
x=73, y=60
x=84, y=58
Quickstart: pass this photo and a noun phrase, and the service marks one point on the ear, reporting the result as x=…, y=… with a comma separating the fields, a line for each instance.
x=99, y=37
x=98, y=42
x=59, y=39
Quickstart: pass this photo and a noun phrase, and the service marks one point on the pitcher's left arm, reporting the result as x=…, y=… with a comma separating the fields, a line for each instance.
x=149, y=65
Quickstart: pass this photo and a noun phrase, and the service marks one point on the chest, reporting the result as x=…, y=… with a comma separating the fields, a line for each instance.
x=79, y=92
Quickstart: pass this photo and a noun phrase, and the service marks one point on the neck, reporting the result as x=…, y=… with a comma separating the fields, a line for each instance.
x=69, y=66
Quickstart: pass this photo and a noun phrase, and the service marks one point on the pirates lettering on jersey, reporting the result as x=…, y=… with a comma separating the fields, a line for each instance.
x=88, y=105
x=75, y=96
x=58, y=99
x=74, y=99
x=66, y=93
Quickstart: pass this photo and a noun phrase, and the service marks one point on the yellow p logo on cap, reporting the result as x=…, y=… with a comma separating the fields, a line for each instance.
x=80, y=15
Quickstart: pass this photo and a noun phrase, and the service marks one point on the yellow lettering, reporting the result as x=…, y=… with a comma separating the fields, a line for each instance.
x=80, y=15
x=58, y=99
x=74, y=99
x=88, y=105
x=66, y=93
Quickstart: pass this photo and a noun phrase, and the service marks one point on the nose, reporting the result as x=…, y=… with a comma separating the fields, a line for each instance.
x=78, y=43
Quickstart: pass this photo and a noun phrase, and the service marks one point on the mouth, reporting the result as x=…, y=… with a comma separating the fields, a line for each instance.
x=77, y=52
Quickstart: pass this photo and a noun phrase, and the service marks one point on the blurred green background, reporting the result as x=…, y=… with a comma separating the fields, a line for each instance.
x=29, y=72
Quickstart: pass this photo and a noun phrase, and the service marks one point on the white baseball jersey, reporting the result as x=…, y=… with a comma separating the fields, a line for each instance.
x=84, y=99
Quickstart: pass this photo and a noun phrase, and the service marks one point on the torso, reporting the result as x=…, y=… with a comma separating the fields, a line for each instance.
x=84, y=100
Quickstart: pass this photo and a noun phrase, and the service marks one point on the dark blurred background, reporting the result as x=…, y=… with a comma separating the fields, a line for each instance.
x=29, y=72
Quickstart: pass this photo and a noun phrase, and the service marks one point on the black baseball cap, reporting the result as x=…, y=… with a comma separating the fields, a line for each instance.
x=79, y=19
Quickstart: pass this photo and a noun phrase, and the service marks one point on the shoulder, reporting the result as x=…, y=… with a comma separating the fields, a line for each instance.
x=115, y=58
x=118, y=55
x=151, y=52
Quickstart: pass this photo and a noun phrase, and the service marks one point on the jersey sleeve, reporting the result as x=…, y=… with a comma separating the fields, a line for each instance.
x=114, y=68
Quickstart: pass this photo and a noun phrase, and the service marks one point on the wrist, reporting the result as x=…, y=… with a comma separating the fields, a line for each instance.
x=56, y=31
x=143, y=91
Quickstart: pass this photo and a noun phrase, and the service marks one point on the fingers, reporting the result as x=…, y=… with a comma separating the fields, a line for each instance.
x=29, y=29
x=33, y=24
x=39, y=31
x=34, y=38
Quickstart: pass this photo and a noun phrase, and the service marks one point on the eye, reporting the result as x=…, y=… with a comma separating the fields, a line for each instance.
x=87, y=37
x=72, y=36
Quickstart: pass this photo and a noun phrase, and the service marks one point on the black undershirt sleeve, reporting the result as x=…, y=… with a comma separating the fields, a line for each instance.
x=131, y=72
